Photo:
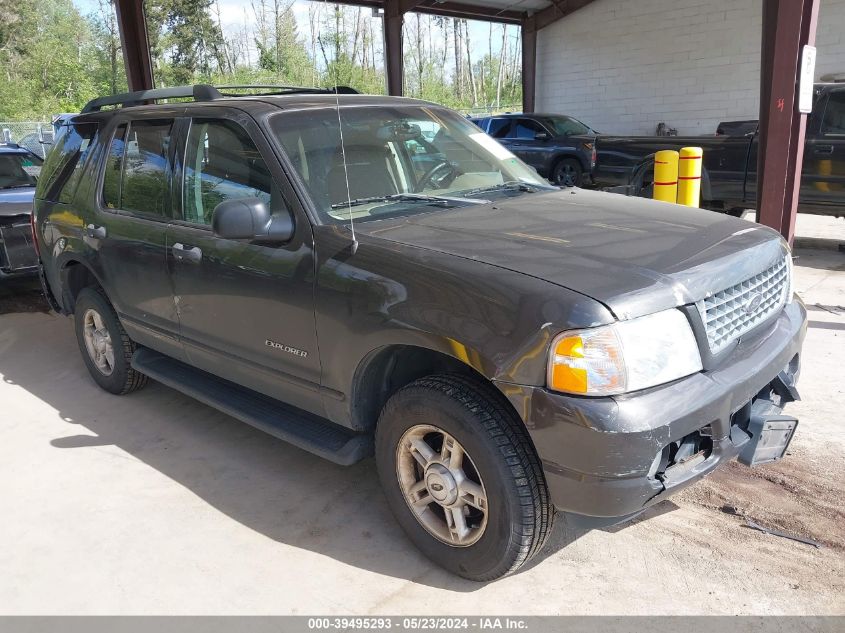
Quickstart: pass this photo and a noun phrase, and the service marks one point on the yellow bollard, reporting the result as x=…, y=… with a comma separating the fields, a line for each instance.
x=689, y=176
x=666, y=175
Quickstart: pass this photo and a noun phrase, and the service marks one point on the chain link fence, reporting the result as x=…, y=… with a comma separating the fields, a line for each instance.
x=25, y=134
x=490, y=110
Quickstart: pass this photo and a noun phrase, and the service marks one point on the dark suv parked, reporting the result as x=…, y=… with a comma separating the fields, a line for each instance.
x=559, y=147
x=503, y=347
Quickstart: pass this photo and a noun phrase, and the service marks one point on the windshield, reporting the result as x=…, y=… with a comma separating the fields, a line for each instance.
x=18, y=170
x=566, y=125
x=399, y=160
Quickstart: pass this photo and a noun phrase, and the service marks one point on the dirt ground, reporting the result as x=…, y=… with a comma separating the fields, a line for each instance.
x=154, y=503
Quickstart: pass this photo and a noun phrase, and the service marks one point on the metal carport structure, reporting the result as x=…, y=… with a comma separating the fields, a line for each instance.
x=788, y=26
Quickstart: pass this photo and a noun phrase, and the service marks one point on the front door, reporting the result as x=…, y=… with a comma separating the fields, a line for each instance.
x=246, y=310
x=522, y=140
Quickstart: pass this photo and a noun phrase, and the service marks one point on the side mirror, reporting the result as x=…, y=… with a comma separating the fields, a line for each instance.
x=250, y=219
x=542, y=136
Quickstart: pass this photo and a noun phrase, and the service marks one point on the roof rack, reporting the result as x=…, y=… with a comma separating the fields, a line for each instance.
x=270, y=90
x=199, y=92
x=202, y=92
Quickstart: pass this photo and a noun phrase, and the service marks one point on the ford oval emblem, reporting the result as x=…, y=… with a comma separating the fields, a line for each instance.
x=753, y=303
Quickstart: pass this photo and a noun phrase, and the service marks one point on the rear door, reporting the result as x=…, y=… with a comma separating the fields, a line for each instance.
x=129, y=230
x=823, y=174
x=246, y=310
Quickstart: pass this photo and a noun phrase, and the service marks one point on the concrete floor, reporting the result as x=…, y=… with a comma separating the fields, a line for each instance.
x=155, y=504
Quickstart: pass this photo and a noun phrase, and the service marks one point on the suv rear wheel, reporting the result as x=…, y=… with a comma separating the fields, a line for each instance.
x=567, y=172
x=462, y=477
x=106, y=348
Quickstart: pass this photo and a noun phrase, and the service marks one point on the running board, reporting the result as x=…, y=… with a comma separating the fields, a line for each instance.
x=300, y=428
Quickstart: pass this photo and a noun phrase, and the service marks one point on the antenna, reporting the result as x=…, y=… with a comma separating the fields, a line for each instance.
x=345, y=170
x=343, y=152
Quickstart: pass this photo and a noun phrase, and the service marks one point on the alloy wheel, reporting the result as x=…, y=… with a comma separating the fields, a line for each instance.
x=441, y=485
x=98, y=341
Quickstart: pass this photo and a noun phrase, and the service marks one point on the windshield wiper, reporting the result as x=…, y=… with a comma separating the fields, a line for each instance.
x=18, y=186
x=394, y=197
x=516, y=185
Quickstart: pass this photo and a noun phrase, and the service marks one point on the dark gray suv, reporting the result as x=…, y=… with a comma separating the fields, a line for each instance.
x=373, y=275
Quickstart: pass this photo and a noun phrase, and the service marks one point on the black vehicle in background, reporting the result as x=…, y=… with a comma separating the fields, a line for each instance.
x=729, y=173
x=404, y=287
x=559, y=147
x=19, y=170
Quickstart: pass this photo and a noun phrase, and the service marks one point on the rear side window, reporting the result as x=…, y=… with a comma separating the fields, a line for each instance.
x=136, y=175
x=221, y=163
x=62, y=169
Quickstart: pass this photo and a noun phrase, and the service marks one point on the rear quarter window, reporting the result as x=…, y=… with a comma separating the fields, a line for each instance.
x=62, y=168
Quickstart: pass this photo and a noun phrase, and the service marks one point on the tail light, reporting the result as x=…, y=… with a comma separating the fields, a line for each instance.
x=34, y=233
x=592, y=148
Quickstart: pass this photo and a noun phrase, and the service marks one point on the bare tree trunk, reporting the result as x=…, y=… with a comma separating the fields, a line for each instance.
x=356, y=35
x=419, y=53
x=459, y=62
x=502, y=59
x=469, y=66
x=312, y=24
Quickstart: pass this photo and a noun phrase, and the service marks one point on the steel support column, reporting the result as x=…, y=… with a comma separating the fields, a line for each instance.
x=529, y=63
x=788, y=25
x=394, y=57
x=135, y=43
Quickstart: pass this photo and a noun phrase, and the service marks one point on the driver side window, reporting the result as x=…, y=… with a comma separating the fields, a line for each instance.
x=221, y=163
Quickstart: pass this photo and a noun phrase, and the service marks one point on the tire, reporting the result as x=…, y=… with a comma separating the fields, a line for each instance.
x=94, y=320
x=567, y=172
x=498, y=458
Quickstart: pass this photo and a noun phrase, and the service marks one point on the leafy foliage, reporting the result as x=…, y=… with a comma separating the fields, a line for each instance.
x=53, y=59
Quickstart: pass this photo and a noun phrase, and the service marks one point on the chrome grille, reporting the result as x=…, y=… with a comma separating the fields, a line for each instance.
x=730, y=313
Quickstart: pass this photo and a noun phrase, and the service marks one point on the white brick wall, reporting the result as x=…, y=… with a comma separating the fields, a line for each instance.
x=622, y=66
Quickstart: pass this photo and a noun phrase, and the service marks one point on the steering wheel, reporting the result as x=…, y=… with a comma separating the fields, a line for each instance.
x=428, y=178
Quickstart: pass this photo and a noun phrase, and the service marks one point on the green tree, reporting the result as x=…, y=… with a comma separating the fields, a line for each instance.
x=45, y=50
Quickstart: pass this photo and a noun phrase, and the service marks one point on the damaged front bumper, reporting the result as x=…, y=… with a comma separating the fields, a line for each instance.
x=17, y=251
x=607, y=459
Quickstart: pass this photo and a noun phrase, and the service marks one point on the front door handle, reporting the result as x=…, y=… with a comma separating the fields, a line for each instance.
x=97, y=232
x=823, y=149
x=185, y=254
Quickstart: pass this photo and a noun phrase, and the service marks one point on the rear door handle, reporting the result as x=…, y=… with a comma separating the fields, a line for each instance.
x=823, y=149
x=184, y=254
x=97, y=232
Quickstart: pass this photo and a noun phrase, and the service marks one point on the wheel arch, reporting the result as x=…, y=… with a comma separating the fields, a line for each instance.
x=387, y=369
x=74, y=275
x=563, y=155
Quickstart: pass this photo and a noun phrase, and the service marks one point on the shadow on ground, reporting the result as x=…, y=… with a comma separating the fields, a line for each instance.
x=263, y=483
x=21, y=294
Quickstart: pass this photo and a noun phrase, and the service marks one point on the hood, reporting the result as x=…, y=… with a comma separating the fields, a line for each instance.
x=16, y=201
x=636, y=256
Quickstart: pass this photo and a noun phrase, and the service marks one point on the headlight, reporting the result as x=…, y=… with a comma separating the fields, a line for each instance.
x=624, y=356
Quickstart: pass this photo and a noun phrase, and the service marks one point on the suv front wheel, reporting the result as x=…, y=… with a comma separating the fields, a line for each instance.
x=462, y=477
x=106, y=348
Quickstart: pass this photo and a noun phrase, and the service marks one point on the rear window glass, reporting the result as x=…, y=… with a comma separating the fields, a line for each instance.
x=63, y=167
x=18, y=170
